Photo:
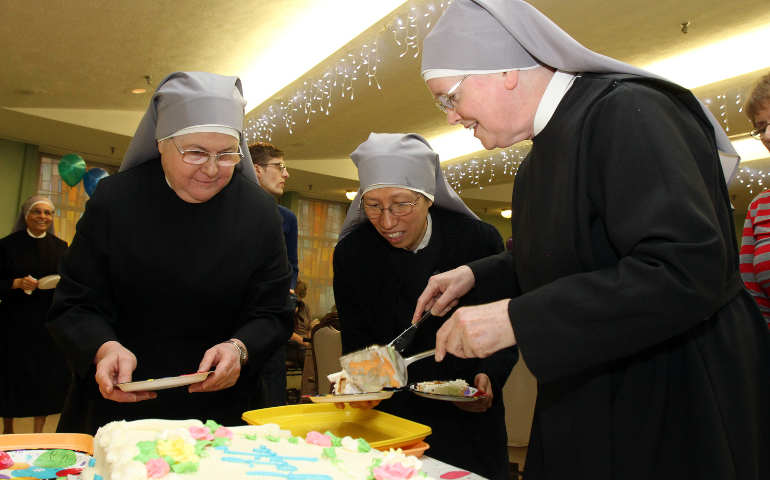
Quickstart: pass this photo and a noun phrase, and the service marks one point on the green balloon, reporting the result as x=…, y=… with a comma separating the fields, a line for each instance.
x=72, y=167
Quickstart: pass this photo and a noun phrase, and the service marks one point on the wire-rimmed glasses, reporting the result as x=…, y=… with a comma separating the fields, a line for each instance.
x=199, y=157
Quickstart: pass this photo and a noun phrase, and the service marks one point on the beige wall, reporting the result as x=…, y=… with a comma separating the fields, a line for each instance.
x=19, y=170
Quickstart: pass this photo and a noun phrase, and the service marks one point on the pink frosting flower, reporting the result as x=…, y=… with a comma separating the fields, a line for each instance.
x=393, y=471
x=319, y=439
x=201, y=433
x=223, y=432
x=157, y=468
x=5, y=461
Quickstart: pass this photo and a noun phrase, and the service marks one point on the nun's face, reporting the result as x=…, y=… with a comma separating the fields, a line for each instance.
x=401, y=231
x=39, y=218
x=489, y=105
x=197, y=183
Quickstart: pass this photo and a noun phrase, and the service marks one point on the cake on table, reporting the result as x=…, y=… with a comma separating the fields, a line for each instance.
x=190, y=449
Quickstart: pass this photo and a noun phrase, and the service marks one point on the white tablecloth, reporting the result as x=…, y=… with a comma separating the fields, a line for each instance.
x=443, y=471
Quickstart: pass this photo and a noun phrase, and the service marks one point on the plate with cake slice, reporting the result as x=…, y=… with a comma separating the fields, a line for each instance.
x=447, y=390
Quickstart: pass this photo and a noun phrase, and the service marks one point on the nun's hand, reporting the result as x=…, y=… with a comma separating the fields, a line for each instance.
x=483, y=384
x=115, y=364
x=476, y=332
x=27, y=283
x=443, y=291
x=225, y=357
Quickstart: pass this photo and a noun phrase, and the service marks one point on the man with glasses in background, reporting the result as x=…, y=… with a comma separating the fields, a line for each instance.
x=755, y=240
x=272, y=174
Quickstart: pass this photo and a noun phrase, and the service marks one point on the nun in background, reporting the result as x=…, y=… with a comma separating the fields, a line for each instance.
x=178, y=265
x=405, y=224
x=33, y=375
x=624, y=294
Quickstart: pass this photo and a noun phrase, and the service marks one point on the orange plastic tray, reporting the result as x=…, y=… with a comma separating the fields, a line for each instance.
x=382, y=430
x=416, y=450
x=37, y=441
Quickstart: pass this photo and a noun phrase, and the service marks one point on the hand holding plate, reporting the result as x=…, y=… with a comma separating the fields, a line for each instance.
x=115, y=364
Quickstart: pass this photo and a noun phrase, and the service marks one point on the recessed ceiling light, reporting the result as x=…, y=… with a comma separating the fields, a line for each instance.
x=138, y=91
x=350, y=195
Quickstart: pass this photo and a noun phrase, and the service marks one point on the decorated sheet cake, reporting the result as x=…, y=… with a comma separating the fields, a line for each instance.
x=189, y=449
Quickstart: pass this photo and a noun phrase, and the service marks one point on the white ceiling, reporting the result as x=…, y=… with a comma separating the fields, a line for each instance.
x=69, y=68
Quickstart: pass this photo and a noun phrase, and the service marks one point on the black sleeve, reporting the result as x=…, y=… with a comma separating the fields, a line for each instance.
x=350, y=306
x=266, y=315
x=647, y=159
x=82, y=315
x=6, y=278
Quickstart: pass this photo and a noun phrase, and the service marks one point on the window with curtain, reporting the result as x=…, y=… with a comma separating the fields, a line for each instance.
x=318, y=224
x=70, y=202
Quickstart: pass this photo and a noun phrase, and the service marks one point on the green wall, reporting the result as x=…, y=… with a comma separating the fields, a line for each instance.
x=19, y=171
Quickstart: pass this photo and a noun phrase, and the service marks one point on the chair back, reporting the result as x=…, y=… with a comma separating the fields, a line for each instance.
x=327, y=350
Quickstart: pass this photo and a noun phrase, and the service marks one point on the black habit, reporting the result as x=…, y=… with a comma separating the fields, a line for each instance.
x=651, y=358
x=376, y=287
x=33, y=373
x=168, y=280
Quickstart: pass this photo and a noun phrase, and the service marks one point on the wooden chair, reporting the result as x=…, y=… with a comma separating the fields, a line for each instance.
x=327, y=350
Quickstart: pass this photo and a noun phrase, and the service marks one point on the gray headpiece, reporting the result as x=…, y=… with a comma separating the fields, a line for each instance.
x=486, y=36
x=403, y=160
x=190, y=99
x=21, y=220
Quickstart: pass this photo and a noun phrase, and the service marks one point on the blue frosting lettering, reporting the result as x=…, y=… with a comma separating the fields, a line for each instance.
x=265, y=456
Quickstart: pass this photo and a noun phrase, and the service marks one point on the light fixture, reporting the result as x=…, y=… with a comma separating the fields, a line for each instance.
x=138, y=91
x=736, y=56
x=455, y=144
x=749, y=148
x=506, y=213
x=350, y=194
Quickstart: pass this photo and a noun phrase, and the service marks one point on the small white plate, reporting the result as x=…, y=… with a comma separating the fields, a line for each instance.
x=471, y=397
x=48, y=282
x=352, y=397
x=163, y=383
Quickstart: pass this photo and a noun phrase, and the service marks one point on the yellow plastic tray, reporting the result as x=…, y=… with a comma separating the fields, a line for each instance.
x=380, y=429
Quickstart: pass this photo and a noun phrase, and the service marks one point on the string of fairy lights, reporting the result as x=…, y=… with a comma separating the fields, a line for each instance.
x=753, y=180
x=358, y=69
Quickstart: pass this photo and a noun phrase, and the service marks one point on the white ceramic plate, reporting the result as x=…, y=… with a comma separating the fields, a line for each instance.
x=163, y=383
x=352, y=397
x=449, y=398
x=48, y=282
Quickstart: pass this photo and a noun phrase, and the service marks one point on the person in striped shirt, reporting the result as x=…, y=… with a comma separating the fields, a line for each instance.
x=755, y=244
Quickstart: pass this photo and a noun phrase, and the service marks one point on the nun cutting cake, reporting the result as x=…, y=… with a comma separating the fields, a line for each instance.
x=406, y=223
x=624, y=295
x=178, y=265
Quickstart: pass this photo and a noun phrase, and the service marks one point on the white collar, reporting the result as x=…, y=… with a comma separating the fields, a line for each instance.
x=554, y=92
x=425, y=238
x=42, y=235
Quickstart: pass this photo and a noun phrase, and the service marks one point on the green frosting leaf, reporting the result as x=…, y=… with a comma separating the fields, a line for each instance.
x=200, y=447
x=147, y=451
x=219, y=441
x=293, y=440
x=329, y=453
x=212, y=425
x=56, y=459
x=273, y=438
x=336, y=441
x=363, y=446
x=250, y=436
x=185, y=467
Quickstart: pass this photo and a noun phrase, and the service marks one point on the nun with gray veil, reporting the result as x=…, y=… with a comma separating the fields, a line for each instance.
x=623, y=289
x=178, y=266
x=33, y=377
x=405, y=224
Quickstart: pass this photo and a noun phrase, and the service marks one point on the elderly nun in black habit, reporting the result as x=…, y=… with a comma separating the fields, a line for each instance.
x=624, y=294
x=178, y=265
x=33, y=377
x=405, y=224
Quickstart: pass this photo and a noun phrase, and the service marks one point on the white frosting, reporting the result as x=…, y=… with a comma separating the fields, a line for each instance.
x=115, y=449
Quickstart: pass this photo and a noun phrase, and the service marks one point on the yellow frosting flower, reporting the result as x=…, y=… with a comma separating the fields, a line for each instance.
x=177, y=449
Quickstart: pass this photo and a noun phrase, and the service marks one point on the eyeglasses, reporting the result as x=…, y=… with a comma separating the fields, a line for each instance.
x=199, y=157
x=281, y=166
x=37, y=211
x=397, y=209
x=759, y=131
x=446, y=101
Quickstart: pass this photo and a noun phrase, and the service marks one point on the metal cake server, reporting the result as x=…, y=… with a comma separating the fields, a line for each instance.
x=404, y=339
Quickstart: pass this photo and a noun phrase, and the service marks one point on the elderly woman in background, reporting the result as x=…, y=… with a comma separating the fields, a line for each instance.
x=33, y=375
x=405, y=224
x=167, y=275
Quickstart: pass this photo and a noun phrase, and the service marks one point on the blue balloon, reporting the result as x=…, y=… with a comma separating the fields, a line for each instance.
x=91, y=178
